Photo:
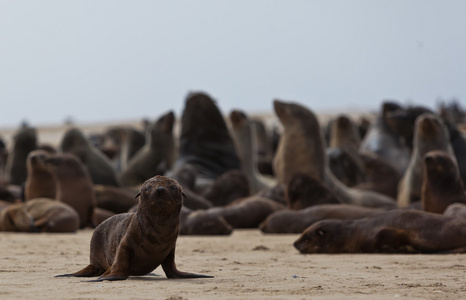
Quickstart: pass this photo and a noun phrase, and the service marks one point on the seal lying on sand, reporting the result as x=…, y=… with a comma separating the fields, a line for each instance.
x=396, y=231
x=39, y=215
x=137, y=243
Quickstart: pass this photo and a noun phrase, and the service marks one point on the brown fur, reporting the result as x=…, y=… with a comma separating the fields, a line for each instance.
x=74, y=185
x=39, y=215
x=157, y=155
x=442, y=184
x=40, y=182
x=24, y=141
x=344, y=133
x=246, y=213
x=228, y=187
x=137, y=243
x=430, y=134
x=304, y=191
x=97, y=164
x=201, y=223
x=114, y=199
x=396, y=231
x=296, y=221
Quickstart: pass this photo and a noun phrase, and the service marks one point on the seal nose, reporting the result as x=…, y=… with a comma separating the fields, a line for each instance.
x=160, y=190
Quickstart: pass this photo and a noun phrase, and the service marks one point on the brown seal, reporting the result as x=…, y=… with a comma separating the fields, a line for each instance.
x=205, y=141
x=442, y=184
x=305, y=191
x=98, y=165
x=74, y=185
x=201, y=223
x=186, y=175
x=381, y=176
x=396, y=231
x=296, y=221
x=344, y=133
x=243, y=135
x=113, y=198
x=228, y=187
x=456, y=210
x=39, y=215
x=301, y=150
x=24, y=141
x=246, y=212
x=136, y=243
x=40, y=182
x=430, y=134
x=382, y=141
x=157, y=155
x=346, y=165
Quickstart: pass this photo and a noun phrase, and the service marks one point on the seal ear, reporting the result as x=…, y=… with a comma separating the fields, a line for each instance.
x=320, y=232
x=137, y=195
x=184, y=195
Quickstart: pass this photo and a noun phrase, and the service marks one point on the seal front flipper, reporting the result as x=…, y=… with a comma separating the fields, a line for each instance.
x=89, y=271
x=171, y=271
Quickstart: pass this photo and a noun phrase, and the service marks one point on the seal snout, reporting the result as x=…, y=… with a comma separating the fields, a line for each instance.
x=160, y=190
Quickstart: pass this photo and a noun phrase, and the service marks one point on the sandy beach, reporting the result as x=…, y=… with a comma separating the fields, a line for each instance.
x=246, y=265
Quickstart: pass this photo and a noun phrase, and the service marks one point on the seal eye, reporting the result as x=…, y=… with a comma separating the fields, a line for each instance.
x=173, y=187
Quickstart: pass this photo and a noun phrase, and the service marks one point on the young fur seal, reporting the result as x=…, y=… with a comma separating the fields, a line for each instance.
x=137, y=243
x=396, y=231
x=442, y=184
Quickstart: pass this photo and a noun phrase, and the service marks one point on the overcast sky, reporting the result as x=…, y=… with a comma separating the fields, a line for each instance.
x=115, y=60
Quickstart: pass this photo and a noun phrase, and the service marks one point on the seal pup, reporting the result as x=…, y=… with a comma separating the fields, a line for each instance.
x=301, y=150
x=246, y=212
x=134, y=244
x=246, y=148
x=430, y=134
x=305, y=191
x=396, y=231
x=201, y=223
x=157, y=155
x=24, y=141
x=442, y=184
x=381, y=176
x=114, y=199
x=40, y=182
x=73, y=185
x=382, y=141
x=228, y=187
x=296, y=221
x=39, y=215
x=205, y=141
x=97, y=164
x=346, y=165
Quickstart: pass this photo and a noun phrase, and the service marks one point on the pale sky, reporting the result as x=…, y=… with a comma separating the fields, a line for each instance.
x=116, y=60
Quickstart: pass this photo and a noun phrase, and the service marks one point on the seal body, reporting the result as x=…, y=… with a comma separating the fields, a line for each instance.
x=24, y=141
x=157, y=155
x=396, y=231
x=39, y=215
x=98, y=165
x=442, y=184
x=205, y=141
x=40, y=182
x=430, y=134
x=73, y=185
x=137, y=243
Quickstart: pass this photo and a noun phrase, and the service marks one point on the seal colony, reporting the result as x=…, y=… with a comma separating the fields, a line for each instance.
x=134, y=244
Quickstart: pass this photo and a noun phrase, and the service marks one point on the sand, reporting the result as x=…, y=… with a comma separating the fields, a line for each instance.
x=246, y=265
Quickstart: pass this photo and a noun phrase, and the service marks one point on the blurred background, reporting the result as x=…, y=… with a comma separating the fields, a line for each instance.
x=98, y=61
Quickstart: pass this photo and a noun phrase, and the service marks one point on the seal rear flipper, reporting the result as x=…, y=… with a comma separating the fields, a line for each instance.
x=171, y=271
x=89, y=271
x=393, y=240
